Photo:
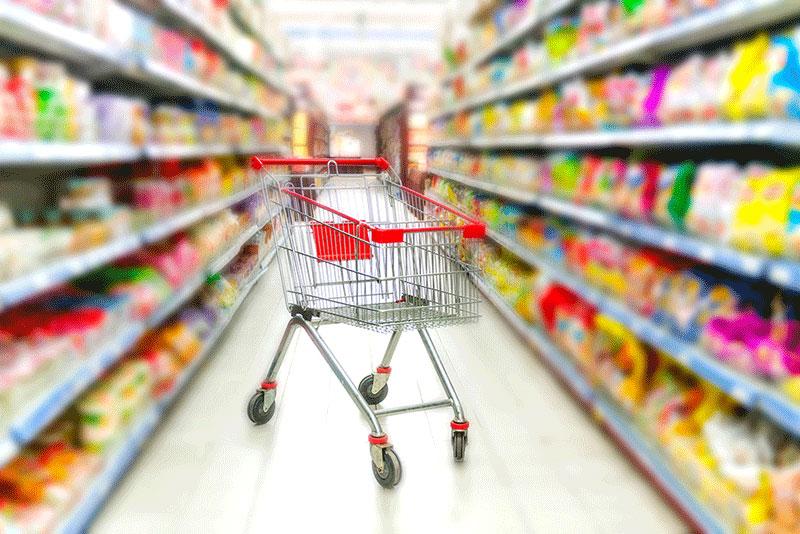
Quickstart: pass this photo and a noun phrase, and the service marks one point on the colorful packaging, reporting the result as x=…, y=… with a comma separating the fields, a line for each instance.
x=761, y=217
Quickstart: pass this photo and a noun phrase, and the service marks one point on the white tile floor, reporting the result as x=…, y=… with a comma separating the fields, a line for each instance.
x=535, y=462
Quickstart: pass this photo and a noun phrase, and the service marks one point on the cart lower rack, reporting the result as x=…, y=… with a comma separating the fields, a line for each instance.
x=362, y=249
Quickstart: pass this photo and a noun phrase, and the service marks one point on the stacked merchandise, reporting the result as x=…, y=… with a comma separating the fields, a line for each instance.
x=96, y=210
x=740, y=464
x=145, y=40
x=42, y=485
x=754, y=207
x=41, y=101
x=117, y=280
x=754, y=79
x=660, y=284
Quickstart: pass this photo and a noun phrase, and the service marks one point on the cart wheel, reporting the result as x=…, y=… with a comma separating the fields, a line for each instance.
x=365, y=388
x=255, y=409
x=392, y=470
x=459, y=441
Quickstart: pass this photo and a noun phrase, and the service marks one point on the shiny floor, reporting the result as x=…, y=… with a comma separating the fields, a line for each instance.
x=535, y=462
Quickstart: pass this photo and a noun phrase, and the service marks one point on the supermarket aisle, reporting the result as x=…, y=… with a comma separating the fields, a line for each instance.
x=535, y=463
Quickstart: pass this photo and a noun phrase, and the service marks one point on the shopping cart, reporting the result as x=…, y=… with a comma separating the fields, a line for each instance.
x=361, y=249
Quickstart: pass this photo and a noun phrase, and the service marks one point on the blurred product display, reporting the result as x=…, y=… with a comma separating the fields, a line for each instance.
x=634, y=161
x=132, y=227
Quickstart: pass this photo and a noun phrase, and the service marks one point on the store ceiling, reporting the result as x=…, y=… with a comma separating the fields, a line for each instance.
x=357, y=56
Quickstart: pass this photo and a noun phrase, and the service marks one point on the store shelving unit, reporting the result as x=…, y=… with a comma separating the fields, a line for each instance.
x=97, y=61
x=523, y=29
x=749, y=392
x=720, y=22
x=27, y=425
x=119, y=461
x=62, y=270
x=618, y=425
x=37, y=32
x=713, y=25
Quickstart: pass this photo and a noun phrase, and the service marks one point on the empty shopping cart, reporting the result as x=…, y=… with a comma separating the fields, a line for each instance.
x=359, y=248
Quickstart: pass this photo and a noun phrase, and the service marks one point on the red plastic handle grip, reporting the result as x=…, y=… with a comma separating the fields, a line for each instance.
x=259, y=163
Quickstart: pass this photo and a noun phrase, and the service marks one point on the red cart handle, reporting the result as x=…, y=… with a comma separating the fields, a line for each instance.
x=259, y=163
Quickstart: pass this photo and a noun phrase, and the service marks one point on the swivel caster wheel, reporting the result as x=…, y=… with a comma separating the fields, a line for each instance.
x=256, y=411
x=365, y=388
x=458, y=439
x=392, y=471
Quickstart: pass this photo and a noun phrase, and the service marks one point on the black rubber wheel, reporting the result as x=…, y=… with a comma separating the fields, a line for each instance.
x=459, y=441
x=365, y=388
x=255, y=409
x=392, y=469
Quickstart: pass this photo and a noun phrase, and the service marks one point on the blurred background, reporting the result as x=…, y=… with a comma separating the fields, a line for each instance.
x=636, y=162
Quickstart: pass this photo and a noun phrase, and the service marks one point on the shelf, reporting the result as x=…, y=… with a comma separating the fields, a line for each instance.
x=31, y=153
x=648, y=457
x=748, y=391
x=767, y=132
x=704, y=251
x=32, y=30
x=46, y=408
x=531, y=24
x=727, y=20
x=37, y=153
x=59, y=271
x=123, y=457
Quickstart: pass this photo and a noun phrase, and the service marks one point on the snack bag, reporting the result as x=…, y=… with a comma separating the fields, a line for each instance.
x=593, y=31
x=762, y=214
x=651, y=104
x=793, y=225
x=611, y=176
x=636, y=196
x=620, y=95
x=680, y=102
x=673, y=194
x=578, y=105
x=748, y=80
x=784, y=87
x=591, y=170
x=633, y=14
x=560, y=39
x=566, y=172
x=545, y=115
x=715, y=194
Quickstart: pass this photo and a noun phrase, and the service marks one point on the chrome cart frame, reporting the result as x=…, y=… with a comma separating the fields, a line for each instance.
x=361, y=249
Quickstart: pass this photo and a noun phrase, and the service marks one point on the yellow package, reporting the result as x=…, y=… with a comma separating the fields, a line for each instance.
x=761, y=218
x=747, y=84
x=544, y=116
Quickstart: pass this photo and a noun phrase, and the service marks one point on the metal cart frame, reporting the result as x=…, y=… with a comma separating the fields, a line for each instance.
x=364, y=250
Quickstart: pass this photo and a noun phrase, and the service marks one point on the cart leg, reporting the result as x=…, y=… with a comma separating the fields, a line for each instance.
x=374, y=387
x=459, y=425
x=341, y=375
x=261, y=407
x=385, y=463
